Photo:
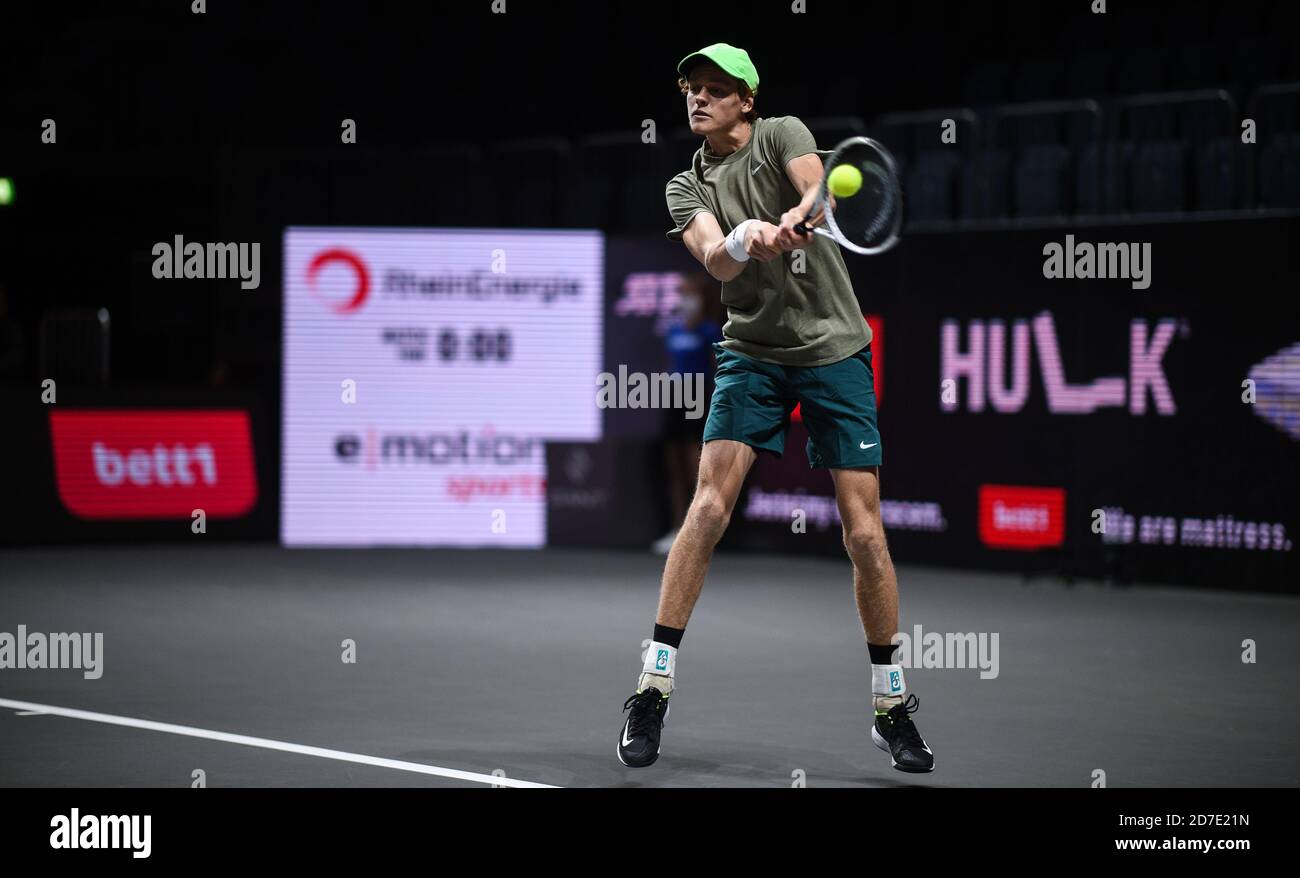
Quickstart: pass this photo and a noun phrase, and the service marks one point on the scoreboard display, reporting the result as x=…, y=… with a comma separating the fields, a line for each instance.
x=424, y=371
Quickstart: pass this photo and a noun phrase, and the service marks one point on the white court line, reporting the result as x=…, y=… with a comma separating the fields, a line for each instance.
x=268, y=744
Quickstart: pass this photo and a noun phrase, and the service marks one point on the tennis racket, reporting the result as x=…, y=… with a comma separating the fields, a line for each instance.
x=869, y=220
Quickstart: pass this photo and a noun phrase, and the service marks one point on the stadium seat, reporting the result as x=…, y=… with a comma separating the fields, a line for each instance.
x=592, y=201
x=1043, y=182
x=930, y=186
x=642, y=207
x=1082, y=129
x=1158, y=176
x=73, y=345
x=1204, y=120
x=900, y=138
x=1215, y=188
x=1279, y=171
x=1149, y=122
x=1035, y=130
x=535, y=200
x=682, y=144
x=1275, y=113
x=622, y=184
x=986, y=184
x=1102, y=167
x=1087, y=167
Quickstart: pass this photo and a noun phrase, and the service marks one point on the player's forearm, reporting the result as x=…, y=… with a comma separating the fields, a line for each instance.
x=720, y=264
x=809, y=198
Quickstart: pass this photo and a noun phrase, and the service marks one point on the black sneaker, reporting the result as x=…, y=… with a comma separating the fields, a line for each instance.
x=638, y=740
x=895, y=733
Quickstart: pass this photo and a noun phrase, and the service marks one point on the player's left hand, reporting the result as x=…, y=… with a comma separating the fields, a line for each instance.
x=786, y=237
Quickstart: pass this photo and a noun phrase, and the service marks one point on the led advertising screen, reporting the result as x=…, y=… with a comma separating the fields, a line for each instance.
x=1053, y=414
x=1036, y=415
x=424, y=371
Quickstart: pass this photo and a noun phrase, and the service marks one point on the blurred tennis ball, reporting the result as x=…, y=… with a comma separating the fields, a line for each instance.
x=845, y=180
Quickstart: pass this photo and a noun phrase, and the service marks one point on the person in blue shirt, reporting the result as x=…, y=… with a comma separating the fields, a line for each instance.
x=689, y=340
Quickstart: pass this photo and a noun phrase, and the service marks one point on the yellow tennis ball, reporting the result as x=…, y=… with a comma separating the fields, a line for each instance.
x=844, y=181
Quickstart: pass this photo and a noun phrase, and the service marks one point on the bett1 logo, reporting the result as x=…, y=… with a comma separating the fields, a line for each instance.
x=153, y=464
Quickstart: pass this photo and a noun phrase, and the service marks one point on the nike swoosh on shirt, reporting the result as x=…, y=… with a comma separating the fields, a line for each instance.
x=864, y=446
x=754, y=168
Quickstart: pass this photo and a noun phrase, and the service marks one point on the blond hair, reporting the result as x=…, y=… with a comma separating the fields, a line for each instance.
x=742, y=88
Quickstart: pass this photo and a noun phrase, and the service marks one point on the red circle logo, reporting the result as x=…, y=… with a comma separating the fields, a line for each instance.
x=326, y=257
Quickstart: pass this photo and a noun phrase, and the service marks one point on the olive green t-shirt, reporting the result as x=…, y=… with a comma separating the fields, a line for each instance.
x=773, y=313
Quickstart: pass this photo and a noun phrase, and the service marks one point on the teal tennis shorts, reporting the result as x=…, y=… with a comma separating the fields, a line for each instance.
x=752, y=401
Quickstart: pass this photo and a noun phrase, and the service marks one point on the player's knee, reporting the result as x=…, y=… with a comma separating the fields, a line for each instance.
x=865, y=543
x=710, y=512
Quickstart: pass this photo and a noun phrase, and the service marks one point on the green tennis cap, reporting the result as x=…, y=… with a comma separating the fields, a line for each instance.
x=732, y=60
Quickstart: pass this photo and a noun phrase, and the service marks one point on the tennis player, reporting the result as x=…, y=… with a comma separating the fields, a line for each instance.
x=794, y=334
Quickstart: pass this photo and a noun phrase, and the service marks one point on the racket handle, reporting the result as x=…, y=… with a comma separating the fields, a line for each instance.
x=801, y=227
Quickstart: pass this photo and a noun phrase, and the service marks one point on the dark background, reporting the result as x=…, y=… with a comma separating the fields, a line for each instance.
x=225, y=127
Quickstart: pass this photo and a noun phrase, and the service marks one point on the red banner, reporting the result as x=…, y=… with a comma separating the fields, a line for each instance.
x=154, y=464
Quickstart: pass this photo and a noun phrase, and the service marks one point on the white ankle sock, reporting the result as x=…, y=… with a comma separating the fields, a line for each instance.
x=660, y=668
x=887, y=686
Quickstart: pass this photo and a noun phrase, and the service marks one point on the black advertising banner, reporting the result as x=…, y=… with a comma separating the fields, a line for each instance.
x=136, y=463
x=1117, y=401
x=643, y=277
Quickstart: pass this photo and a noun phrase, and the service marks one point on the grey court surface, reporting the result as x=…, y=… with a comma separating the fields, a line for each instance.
x=519, y=662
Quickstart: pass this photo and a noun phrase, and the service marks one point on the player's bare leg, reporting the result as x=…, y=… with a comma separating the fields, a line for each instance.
x=875, y=588
x=724, y=464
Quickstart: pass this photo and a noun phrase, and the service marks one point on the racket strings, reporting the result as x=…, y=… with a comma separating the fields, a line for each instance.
x=870, y=217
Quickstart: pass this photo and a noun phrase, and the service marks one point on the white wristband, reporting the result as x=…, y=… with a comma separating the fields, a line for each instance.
x=736, y=242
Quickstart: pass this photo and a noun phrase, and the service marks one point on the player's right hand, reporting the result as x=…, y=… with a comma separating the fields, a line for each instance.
x=761, y=241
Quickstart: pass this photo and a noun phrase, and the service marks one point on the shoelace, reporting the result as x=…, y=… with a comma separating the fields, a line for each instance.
x=644, y=718
x=904, y=728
